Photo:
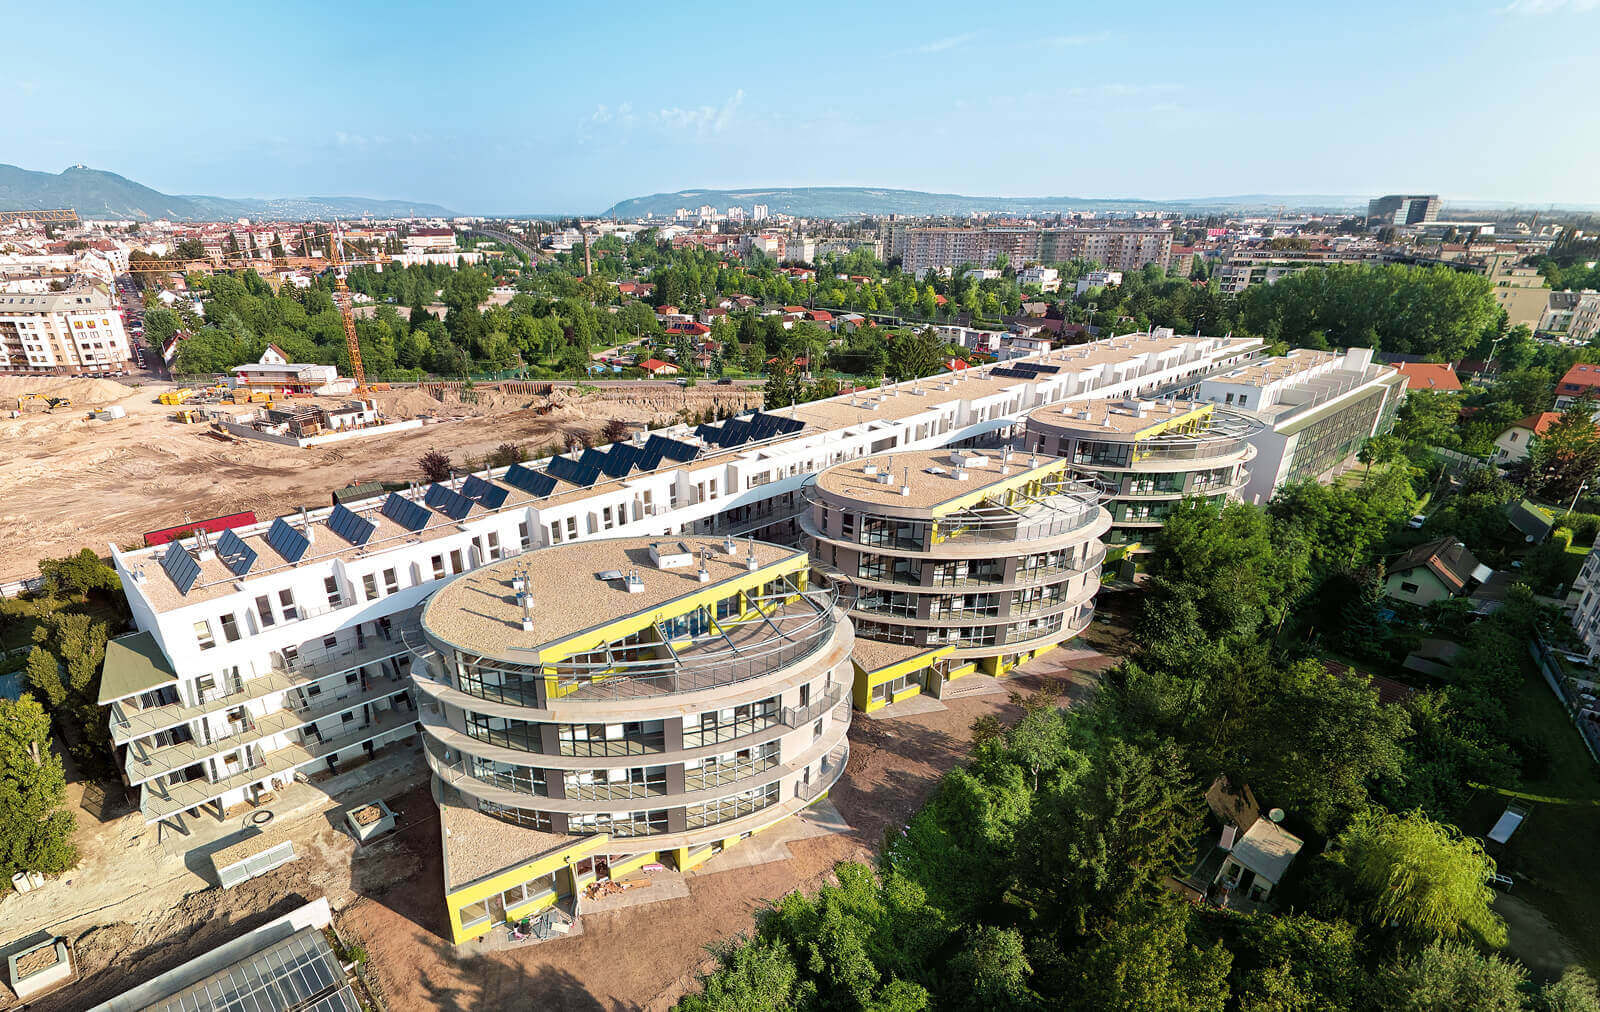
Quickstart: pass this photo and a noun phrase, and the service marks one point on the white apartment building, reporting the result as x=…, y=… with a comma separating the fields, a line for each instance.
x=285, y=648
x=759, y=213
x=1047, y=278
x=430, y=240
x=69, y=333
x=1097, y=279
x=1585, y=324
x=1312, y=410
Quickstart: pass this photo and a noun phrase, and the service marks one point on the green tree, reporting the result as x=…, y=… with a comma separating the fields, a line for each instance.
x=35, y=825
x=1145, y=961
x=1420, y=875
x=751, y=976
x=915, y=356
x=1566, y=454
x=79, y=574
x=43, y=675
x=1451, y=976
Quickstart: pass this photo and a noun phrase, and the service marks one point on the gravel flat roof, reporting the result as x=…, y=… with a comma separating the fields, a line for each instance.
x=849, y=480
x=478, y=611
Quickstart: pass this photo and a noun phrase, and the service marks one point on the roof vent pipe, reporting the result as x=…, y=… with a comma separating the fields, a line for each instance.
x=750, y=555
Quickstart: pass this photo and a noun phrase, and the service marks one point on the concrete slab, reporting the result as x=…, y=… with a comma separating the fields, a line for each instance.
x=820, y=819
x=975, y=684
x=664, y=885
x=921, y=703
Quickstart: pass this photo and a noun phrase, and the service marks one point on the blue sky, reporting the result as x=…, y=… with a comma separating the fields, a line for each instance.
x=501, y=108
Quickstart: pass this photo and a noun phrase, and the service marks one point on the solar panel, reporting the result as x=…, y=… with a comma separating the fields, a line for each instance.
x=492, y=496
x=572, y=472
x=448, y=501
x=181, y=567
x=734, y=433
x=619, y=461
x=235, y=554
x=535, y=483
x=671, y=449
x=405, y=512
x=288, y=542
x=350, y=525
x=593, y=457
x=710, y=433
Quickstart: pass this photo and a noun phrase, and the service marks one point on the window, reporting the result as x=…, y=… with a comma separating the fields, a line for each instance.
x=1409, y=588
x=230, y=628
x=455, y=560
x=391, y=582
x=264, y=610
x=605, y=518
x=369, y=586
x=438, y=567
x=202, y=633
x=525, y=535
x=493, y=539
x=286, y=600
x=572, y=528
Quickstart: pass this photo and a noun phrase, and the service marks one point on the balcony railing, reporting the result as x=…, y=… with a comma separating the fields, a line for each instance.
x=798, y=716
x=833, y=766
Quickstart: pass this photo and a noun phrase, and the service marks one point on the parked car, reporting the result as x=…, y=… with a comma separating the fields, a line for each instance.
x=1416, y=522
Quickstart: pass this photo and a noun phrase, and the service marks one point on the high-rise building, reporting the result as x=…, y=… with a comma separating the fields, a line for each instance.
x=1118, y=248
x=759, y=213
x=940, y=249
x=1403, y=209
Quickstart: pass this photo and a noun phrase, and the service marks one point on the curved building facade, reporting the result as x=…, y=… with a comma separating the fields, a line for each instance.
x=954, y=561
x=1146, y=456
x=592, y=708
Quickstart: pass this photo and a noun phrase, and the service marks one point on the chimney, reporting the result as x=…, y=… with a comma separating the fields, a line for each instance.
x=905, y=482
x=704, y=575
x=305, y=525
x=750, y=555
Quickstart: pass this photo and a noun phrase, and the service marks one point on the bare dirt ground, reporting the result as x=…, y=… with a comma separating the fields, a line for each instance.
x=68, y=482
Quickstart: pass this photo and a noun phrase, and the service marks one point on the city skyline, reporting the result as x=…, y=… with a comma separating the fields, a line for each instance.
x=1160, y=104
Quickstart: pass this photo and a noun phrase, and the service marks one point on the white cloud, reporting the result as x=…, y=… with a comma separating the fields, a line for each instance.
x=704, y=119
x=943, y=45
x=1532, y=7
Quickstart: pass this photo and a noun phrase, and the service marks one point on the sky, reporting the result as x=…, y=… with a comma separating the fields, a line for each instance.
x=496, y=108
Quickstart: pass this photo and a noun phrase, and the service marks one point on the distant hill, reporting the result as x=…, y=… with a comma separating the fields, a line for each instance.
x=94, y=193
x=847, y=201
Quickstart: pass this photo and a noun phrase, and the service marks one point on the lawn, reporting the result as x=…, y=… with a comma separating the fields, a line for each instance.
x=1549, y=857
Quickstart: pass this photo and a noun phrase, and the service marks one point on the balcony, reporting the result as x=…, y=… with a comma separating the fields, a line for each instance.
x=159, y=762
x=131, y=722
x=833, y=765
x=159, y=802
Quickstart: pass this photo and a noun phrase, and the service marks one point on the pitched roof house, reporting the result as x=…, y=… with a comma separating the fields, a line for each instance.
x=1434, y=571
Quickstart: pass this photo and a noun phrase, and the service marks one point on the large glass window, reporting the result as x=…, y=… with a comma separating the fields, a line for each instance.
x=716, y=726
x=519, y=816
x=610, y=784
x=623, y=824
x=714, y=771
x=509, y=776
x=632, y=738
x=712, y=813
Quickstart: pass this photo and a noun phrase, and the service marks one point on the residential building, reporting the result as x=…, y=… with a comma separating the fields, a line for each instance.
x=63, y=333
x=1117, y=247
x=758, y=212
x=952, y=562
x=1558, y=312
x=1581, y=380
x=1313, y=409
x=275, y=372
x=799, y=249
x=430, y=240
x=1097, y=279
x=1584, y=326
x=1521, y=291
x=1433, y=571
x=938, y=249
x=283, y=648
x=1240, y=269
x=1146, y=456
x=596, y=707
x=1511, y=445
x=1403, y=209
x=1429, y=376
x=1250, y=855
x=1047, y=278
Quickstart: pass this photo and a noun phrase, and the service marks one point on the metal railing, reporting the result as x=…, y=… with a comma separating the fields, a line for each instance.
x=833, y=766
x=795, y=716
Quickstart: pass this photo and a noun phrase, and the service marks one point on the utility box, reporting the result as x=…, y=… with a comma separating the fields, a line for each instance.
x=255, y=855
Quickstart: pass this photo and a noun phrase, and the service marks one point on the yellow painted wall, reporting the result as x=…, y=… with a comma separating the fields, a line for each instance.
x=483, y=889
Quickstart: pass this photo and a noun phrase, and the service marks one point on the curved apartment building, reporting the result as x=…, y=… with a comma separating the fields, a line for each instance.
x=954, y=561
x=591, y=708
x=1146, y=456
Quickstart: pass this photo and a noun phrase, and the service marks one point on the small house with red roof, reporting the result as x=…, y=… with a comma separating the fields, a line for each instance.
x=1512, y=445
x=1428, y=376
x=656, y=367
x=820, y=315
x=1582, y=378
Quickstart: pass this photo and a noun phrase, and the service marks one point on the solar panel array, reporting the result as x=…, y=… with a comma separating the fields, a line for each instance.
x=235, y=554
x=765, y=426
x=487, y=493
x=614, y=462
x=448, y=501
x=181, y=567
x=350, y=525
x=1010, y=371
x=535, y=483
x=405, y=512
x=288, y=542
x=301, y=972
x=572, y=472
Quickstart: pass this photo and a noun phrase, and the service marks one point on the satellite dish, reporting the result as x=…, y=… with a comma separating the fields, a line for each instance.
x=1276, y=815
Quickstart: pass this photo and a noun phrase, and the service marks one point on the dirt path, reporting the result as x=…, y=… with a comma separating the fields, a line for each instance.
x=68, y=482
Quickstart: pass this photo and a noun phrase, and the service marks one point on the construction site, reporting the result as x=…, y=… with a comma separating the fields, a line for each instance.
x=116, y=462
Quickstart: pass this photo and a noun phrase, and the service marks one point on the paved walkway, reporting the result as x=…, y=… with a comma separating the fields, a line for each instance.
x=125, y=869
